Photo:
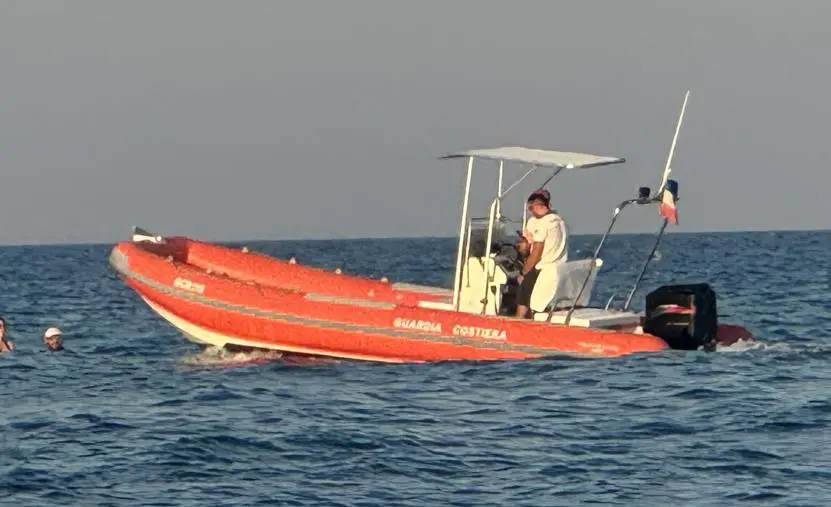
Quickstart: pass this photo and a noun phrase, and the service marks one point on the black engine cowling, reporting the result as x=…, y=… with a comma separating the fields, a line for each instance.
x=685, y=316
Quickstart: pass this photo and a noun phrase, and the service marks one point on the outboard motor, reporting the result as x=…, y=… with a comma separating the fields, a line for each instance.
x=685, y=316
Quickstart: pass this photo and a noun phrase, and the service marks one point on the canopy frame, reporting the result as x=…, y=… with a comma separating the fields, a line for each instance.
x=537, y=158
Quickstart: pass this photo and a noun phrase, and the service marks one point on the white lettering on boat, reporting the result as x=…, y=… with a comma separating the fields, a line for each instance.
x=189, y=285
x=480, y=332
x=417, y=325
x=458, y=330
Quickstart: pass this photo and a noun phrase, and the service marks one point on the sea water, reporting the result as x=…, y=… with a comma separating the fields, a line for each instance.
x=132, y=414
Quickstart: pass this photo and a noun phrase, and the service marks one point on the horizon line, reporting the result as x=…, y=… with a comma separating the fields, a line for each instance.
x=364, y=238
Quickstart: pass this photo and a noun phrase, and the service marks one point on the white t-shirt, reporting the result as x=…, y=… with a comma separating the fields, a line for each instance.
x=551, y=230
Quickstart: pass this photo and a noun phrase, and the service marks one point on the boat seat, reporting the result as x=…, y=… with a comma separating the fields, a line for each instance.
x=558, y=285
x=481, y=279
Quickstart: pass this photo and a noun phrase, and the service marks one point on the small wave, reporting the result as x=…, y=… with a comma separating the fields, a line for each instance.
x=220, y=357
x=746, y=345
x=215, y=357
x=795, y=349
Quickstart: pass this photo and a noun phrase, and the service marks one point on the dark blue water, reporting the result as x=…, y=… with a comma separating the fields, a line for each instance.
x=132, y=414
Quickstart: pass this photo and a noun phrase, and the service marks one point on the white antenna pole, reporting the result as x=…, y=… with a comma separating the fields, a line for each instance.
x=667, y=168
x=457, y=283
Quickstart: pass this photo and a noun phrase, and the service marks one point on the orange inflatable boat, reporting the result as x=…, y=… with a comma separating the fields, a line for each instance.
x=388, y=323
x=223, y=297
x=226, y=297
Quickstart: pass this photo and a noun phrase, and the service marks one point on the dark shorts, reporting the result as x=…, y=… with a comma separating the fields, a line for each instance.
x=523, y=293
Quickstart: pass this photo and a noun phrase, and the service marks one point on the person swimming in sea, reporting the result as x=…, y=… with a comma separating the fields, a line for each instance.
x=6, y=345
x=53, y=338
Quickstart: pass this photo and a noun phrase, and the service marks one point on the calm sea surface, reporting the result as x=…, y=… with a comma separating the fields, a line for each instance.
x=132, y=414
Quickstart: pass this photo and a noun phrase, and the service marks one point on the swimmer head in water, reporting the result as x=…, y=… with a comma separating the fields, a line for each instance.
x=53, y=338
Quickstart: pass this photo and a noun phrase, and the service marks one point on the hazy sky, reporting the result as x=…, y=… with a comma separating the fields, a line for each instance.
x=294, y=119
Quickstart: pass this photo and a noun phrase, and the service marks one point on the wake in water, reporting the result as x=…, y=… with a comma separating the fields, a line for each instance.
x=793, y=349
x=746, y=345
x=220, y=357
x=215, y=357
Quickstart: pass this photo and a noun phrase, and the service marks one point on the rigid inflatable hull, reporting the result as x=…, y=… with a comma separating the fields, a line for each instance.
x=211, y=308
x=277, y=273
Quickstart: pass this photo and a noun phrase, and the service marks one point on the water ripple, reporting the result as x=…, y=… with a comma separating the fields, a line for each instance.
x=130, y=413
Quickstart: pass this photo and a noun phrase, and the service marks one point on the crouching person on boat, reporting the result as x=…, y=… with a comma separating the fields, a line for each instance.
x=523, y=248
x=547, y=234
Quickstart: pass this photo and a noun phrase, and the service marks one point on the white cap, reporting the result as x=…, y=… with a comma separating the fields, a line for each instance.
x=52, y=331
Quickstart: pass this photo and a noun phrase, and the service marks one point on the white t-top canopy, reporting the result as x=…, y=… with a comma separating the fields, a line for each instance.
x=564, y=159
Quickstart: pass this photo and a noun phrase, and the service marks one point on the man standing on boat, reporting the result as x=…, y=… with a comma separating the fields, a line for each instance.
x=547, y=233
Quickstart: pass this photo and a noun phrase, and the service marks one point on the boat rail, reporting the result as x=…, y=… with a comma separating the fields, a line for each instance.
x=537, y=158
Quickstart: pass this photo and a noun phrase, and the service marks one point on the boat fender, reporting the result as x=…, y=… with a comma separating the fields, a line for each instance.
x=338, y=271
x=292, y=261
x=245, y=249
x=384, y=279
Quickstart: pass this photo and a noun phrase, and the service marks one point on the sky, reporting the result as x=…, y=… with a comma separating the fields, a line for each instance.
x=276, y=119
